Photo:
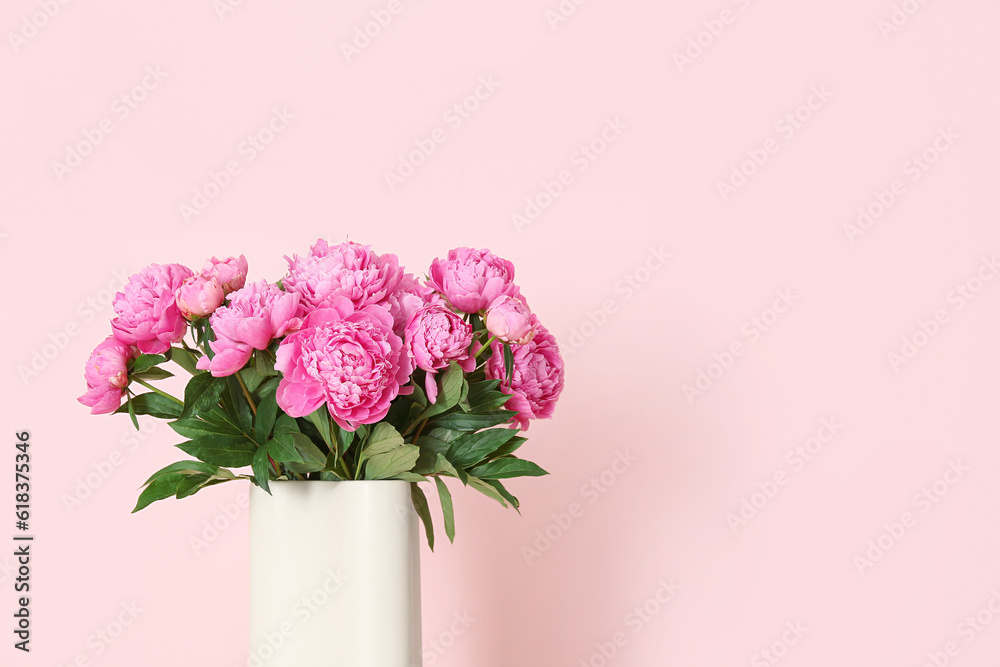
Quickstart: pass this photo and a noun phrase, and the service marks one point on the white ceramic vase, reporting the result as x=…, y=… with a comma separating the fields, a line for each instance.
x=334, y=575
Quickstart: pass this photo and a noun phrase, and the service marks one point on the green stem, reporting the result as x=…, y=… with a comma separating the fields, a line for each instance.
x=246, y=392
x=158, y=391
x=485, y=346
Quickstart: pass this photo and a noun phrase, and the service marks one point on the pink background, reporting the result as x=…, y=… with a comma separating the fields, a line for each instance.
x=630, y=349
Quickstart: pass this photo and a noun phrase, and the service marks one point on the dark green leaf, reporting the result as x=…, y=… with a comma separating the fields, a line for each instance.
x=460, y=421
x=384, y=438
x=146, y=361
x=474, y=447
x=313, y=459
x=191, y=485
x=282, y=452
x=186, y=360
x=237, y=404
x=447, y=509
x=189, y=468
x=423, y=511
x=487, y=489
x=508, y=447
x=508, y=467
x=267, y=412
x=221, y=450
x=154, y=373
x=285, y=424
x=321, y=420
x=152, y=404
x=201, y=394
x=504, y=493
x=508, y=362
x=452, y=381
x=193, y=427
x=164, y=486
x=131, y=411
x=261, y=468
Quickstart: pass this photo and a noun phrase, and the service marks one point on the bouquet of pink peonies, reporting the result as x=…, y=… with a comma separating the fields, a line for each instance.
x=347, y=368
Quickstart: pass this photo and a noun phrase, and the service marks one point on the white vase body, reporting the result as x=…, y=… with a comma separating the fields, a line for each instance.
x=334, y=575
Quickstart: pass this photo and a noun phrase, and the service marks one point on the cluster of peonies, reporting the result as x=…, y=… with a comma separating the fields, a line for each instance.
x=351, y=327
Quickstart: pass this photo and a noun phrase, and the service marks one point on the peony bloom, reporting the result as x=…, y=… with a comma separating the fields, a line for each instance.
x=435, y=335
x=472, y=279
x=509, y=319
x=256, y=314
x=348, y=270
x=538, y=376
x=410, y=295
x=199, y=296
x=346, y=357
x=146, y=312
x=231, y=272
x=107, y=375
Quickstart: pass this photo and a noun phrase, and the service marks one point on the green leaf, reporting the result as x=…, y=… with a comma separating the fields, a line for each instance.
x=384, y=438
x=186, y=360
x=423, y=511
x=191, y=485
x=261, y=468
x=411, y=477
x=264, y=363
x=452, y=382
x=282, y=452
x=201, y=394
x=312, y=457
x=192, y=427
x=509, y=447
x=390, y=463
x=221, y=450
x=188, y=468
x=164, y=486
x=267, y=412
x=508, y=363
x=508, y=467
x=285, y=424
x=154, y=373
x=504, y=493
x=146, y=361
x=321, y=420
x=460, y=421
x=269, y=386
x=474, y=447
x=131, y=411
x=151, y=404
x=487, y=489
x=344, y=439
x=251, y=378
x=447, y=509
x=237, y=404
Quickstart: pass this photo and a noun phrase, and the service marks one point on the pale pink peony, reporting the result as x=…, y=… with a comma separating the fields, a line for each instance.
x=435, y=335
x=107, y=375
x=146, y=312
x=346, y=357
x=256, y=314
x=348, y=270
x=410, y=295
x=231, y=272
x=509, y=319
x=538, y=376
x=471, y=279
x=199, y=296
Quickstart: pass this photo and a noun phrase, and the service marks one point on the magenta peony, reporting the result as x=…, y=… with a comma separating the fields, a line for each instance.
x=538, y=376
x=348, y=270
x=256, y=314
x=231, y=272
x=346, y=357
x=509, y=319
x=146, y=312
x=435, y=335
x=410, y=295
x=471, y=279
x=107, y=375
x=199, y=296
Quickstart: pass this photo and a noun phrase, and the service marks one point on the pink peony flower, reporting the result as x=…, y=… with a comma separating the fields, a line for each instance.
x=346, y=357
x=231, y=272
x=435, y=335
x=107, y=375
x=471, y=279
x=410, y=295
x=256, y=314
x=509, y=319
x=538, y=376
x=146, y=312
x=199, y=296
x=348, y=270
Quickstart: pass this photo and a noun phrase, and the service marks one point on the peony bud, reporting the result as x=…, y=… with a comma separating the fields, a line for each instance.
x=509, y=319
x=199, y=296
